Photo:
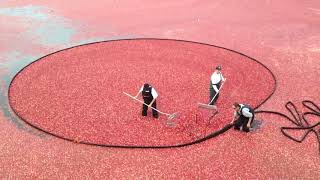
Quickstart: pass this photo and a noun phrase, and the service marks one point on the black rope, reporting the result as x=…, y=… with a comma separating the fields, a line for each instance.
x=300, y=121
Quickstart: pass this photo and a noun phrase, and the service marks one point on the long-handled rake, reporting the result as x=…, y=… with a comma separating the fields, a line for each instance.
x=208, y=106
x=170, y=116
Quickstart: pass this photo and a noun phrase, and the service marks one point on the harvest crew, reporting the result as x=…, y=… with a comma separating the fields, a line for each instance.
x=149, y=95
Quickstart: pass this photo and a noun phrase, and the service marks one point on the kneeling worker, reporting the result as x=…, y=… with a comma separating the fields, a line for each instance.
x=149, y=95
x=243, y=117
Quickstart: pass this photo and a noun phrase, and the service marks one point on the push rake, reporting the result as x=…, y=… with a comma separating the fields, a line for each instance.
x=170, y=116
x=208, y=106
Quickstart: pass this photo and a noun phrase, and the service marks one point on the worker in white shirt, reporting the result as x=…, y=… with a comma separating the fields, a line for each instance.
x=243, y=117
x=215, y=83
x=149, y=95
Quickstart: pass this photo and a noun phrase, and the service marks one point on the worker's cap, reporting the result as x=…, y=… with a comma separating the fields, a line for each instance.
x=146, y=85
x=218, y=67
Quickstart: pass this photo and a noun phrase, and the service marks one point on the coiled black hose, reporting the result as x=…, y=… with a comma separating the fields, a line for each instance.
x=300, y=121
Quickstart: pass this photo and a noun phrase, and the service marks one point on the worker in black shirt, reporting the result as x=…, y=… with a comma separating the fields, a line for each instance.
x=149, y=95
x=243, y=117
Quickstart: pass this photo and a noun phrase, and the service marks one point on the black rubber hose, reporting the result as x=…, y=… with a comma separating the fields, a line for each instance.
x=300, y=120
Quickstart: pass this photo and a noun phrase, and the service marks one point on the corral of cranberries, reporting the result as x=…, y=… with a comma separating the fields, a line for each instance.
x=77, y=93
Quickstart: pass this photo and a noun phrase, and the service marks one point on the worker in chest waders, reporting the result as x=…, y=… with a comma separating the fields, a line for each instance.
x=149, y=95
x=243, y=117
x=215, y=84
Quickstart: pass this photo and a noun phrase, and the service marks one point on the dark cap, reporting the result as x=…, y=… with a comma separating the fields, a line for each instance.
x=218, y=67
x=146, y=85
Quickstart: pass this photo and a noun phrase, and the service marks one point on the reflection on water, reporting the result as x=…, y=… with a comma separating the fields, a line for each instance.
x=10, y=65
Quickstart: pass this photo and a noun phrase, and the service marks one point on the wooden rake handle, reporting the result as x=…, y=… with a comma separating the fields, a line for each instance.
x=216, y=93
x=145, y=103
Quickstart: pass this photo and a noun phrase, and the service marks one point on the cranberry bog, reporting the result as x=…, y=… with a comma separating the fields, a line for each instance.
x=65, y=66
